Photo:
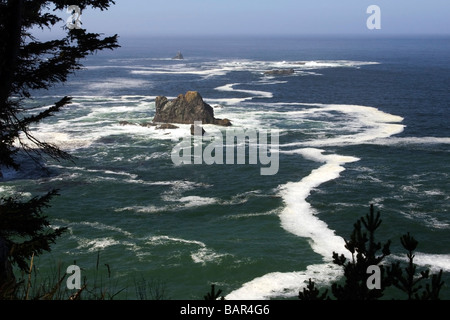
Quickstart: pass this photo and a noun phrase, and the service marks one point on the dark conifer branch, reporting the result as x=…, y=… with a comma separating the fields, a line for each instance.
x=27, y=64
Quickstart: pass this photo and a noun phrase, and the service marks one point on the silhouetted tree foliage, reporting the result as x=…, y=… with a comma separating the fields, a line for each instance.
x=365, y=252
x=213, y=294
x=27, y=64
x=311, y=293
x=410, y=281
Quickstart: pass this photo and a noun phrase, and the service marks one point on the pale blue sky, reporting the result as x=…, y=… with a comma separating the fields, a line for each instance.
x=267, y=17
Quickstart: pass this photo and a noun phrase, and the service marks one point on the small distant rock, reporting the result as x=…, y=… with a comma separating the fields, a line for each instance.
x=125, y=123
x=148, y=124
x=280, y=72
x=193, y=131
x=179, y=56
x=167, y=126
x=223, y=122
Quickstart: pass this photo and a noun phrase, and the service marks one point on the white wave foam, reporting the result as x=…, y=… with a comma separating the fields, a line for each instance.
x=278, y=284
x=242, y=197
x=96, y=244
x=4, y=189
x=434, y=261
x=252, y=215
x=435, y=192
x=254, y=93
x=368, y=123
x=196, y=201
x=412, y=140
x=99, y=117
x=174, y=196
x=162, y=240
x=142, y=209
x=299, y=217
x=192, y=71
x=62, y=140
x=101, y=226
x=9, y=191
x=107, y=172
x=227, y=101
x=118, y=83
x=203, y=255
x=223, y=67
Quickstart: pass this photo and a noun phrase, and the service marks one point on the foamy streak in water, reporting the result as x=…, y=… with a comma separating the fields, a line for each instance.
x=299, y=218
x=434, y=262
x=202, y=255
x=278, y=284
x=257, y=94
x=223, y=67
x=372, y=124
x=412, y=140
x=117, y=83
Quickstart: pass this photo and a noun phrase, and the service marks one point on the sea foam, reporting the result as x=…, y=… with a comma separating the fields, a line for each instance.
x=287, y=285
x=369, y=124
x=300, y=219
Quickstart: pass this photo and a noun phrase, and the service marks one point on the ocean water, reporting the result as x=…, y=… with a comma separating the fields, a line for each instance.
x=361, y=121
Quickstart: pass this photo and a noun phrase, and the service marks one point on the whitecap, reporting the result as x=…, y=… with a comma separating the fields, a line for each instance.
x=287, y=285
x=434, y=262
x=102, y=226
x=253, y=215
x=253, y=93
x=368, y=124
x=196, y=201
x=118, y=83
x=142, y=209
x=434, y=192
x=93, y=245
x=412, y=141
x=203, y=255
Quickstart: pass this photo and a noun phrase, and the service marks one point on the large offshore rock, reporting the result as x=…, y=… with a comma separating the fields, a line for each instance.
x=186, y=109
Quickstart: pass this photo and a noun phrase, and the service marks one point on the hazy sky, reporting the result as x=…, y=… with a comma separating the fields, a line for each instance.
x=263, y=17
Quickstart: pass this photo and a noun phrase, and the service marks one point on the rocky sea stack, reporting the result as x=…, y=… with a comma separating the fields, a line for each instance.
x=282, y=72
x=186, y=109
